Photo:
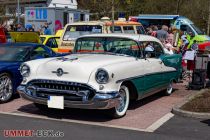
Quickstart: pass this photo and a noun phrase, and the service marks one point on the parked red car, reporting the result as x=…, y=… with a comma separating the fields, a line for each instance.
x=204, y=47
x=2, y=36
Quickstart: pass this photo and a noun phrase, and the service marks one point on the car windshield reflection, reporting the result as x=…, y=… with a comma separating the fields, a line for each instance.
x=117, y=46
x=13, y=53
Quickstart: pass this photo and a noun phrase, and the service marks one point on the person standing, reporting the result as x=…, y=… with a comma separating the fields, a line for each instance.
x=170, y=37
x=194, y=46
x=168, y=48
x=154, y=31
x=47, y=31
x=185, y=43
x=162, y=34
x=20, y=28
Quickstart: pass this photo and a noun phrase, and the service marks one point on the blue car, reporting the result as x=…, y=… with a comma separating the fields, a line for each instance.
x=12, y=55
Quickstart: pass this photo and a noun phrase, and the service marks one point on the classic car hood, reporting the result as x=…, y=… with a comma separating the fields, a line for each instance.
x=77, y=67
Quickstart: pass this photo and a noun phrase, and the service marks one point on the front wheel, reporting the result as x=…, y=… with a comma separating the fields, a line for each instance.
x=120, y=110
x=6, y=88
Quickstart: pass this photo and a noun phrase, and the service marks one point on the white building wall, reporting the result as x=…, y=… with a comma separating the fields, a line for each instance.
x=72, y=4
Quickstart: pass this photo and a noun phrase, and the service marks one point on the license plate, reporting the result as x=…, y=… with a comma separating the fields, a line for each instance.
x=56, y=102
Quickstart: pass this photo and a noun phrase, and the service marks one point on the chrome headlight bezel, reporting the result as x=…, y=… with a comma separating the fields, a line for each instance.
x=102, y=76
x=25, y=70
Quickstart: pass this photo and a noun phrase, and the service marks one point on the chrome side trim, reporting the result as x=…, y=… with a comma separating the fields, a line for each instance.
x=130, y=78
x=140, y=76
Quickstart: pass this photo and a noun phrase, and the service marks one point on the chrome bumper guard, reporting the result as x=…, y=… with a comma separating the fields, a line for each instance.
x=98, y=101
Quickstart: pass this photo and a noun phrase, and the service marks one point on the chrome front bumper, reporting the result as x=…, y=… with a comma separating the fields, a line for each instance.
x=98, y=101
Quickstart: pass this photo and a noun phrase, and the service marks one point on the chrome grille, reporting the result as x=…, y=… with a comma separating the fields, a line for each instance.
x=70, y=90
x=60, y=86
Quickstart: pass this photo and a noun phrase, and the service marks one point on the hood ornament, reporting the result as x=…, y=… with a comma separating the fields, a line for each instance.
x=59, y=72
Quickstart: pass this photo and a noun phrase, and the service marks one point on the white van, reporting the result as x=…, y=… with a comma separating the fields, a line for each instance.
x=74, y=30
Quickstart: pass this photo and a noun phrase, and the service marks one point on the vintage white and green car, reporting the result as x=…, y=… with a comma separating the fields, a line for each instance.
x=105, y=71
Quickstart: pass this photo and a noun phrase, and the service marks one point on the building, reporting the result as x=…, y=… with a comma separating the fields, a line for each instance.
x=11, y=5
x=57, y=18
x=38, y=12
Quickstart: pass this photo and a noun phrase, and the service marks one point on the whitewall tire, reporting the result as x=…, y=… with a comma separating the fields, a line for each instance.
x=120, y=110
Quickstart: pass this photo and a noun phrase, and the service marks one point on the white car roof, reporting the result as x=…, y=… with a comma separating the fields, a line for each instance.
x=135, y=37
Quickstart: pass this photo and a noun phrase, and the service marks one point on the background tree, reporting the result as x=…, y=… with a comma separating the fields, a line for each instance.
x=196, y=10
x=2, y=13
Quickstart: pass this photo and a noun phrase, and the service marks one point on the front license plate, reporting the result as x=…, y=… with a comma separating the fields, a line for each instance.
x=55, y=102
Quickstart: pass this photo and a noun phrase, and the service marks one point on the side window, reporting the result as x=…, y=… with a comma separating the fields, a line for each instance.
x=52, y=43
x=117, y=29
x=140, y=30
x=57, y=40
x=89, y=46
x=158, y=49
x=189, y=30
x=38, y=53
x=128, y=29
x=152, y=49
x=126, y=47
x=186, y=28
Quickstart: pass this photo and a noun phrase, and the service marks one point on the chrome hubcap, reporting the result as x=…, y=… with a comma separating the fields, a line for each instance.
x=122, y=99
x=5, y=88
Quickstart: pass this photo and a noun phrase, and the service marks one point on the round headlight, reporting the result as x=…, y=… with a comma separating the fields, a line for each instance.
x=102, y=76
x=25, y=70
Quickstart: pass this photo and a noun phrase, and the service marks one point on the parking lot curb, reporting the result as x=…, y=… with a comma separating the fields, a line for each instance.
x=178, y=111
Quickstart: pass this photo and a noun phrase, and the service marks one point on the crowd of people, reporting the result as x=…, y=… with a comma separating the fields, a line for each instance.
x=43, y=30
x=174, y=40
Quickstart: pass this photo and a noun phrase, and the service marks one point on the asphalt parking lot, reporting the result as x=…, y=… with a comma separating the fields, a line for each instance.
x=144, y=115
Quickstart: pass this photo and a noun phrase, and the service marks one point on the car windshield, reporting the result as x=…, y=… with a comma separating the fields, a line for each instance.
x=75, y=31
x=197, y=29
x=108, y=45
x=13, y=53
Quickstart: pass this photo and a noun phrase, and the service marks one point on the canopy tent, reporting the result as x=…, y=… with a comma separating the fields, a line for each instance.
x=169, y=17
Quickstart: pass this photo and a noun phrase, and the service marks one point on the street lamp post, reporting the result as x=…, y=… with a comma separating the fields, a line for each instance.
x=18, y=10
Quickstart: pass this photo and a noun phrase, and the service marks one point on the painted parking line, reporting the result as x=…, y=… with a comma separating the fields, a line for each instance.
x=151, y=128
x=159, y=122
